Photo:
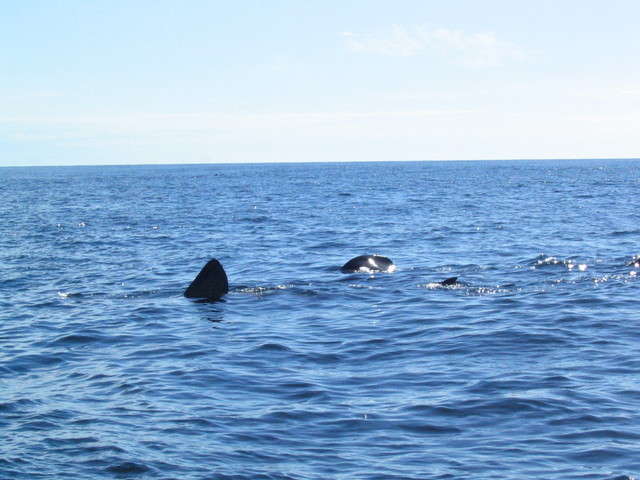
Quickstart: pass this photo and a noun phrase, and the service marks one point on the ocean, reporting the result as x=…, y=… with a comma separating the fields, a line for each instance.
x=528, y=368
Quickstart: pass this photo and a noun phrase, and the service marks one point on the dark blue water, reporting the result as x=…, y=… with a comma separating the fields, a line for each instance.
x=530, y=368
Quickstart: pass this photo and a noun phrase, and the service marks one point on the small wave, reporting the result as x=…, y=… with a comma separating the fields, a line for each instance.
x=256, y=219
x=424, y=428
x=470, y=290
x=498, y=290
x=518, y=406
x=440, y=286
x=605, y=434
x=543, y=261
x=129, y=468
x=603, y=455
x=625, y=233
x=258, y=291
x=18, y=406
x=38, y=425
x=271, y=347
x=30, y=362
x=61, y=442
x=134, y=294
x=74, y=340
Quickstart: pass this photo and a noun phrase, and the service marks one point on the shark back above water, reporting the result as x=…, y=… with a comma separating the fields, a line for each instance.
x=212, y=283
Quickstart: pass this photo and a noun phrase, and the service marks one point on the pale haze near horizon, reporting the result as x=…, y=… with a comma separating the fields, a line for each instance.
x=105, y=82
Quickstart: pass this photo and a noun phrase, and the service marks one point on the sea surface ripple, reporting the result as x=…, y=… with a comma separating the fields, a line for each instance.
x=527, y=368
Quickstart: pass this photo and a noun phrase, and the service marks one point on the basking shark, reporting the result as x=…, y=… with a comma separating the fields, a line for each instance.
x=212, y=283
x=368, y=263
x=378, y=263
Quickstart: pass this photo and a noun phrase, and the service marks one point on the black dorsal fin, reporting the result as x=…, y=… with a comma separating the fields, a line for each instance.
x=210, y=283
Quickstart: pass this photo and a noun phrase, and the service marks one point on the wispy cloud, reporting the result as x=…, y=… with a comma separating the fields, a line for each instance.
x=398, y=43
x=475, y=50
x=470, y=50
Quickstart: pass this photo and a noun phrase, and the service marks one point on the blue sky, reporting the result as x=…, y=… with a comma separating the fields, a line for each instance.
x=194, y=81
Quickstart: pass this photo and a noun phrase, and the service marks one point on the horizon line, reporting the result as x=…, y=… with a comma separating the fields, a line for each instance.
x=545, y=159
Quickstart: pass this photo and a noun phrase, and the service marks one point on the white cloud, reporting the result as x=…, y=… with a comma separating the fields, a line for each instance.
x=398, y=43
x=471, y=50
x=475, y=50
